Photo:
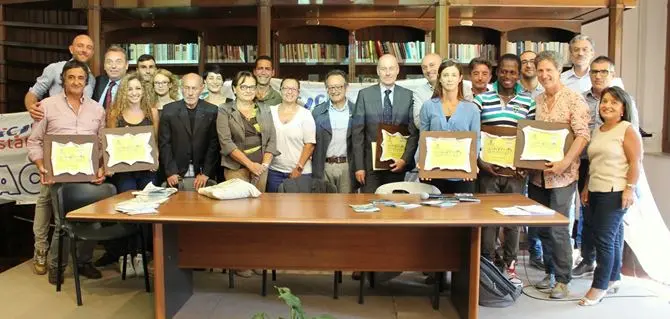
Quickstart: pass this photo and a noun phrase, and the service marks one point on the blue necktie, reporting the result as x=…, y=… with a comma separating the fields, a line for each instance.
x=387, y=115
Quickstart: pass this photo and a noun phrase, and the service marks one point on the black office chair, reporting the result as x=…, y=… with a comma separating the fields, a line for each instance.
x=305, y=184
x=72, y=196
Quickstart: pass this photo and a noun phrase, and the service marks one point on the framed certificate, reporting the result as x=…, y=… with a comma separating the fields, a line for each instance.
x=498, y=144
x=71, y=158
x=447, y=154
x=539, y=142
x=391, y=143
x=129, y=149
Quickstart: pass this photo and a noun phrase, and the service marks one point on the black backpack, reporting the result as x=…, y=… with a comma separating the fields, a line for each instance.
x=495, y=290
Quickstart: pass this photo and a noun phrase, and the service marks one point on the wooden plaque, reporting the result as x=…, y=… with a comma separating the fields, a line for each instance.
x=378, y=152
x=520, y=142
x=447, y=173
x=137, y=166
x=77, y=139
x=501, y=131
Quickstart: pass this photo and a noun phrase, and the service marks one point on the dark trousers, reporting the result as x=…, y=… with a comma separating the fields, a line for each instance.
x=275, y=178
x=604, y=227
x=556, y=240
x=587, y=251
x=454, y=186
x=374, y=179
x=490, y=184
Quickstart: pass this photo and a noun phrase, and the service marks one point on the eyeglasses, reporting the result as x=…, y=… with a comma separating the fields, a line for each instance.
x=287, y=89
x=335, y=88
x=532, y=61
x=161, y=83
x=603, y=73
x=247, y=87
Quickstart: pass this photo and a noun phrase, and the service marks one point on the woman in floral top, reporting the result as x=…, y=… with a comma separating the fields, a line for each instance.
x=556, y=186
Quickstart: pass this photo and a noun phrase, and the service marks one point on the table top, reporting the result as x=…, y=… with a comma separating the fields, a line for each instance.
x=324, y=209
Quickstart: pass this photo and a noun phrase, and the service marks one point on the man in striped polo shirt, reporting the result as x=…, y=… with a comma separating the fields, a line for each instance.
x=505, y=105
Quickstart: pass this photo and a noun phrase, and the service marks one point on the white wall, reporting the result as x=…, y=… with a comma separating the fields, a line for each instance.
x=643, y=73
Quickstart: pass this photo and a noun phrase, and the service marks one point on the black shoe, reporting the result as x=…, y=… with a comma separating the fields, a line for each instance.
x=87, y=270
x=106, y=260
x=583, y=269
x=52, y=276
x=536, y=262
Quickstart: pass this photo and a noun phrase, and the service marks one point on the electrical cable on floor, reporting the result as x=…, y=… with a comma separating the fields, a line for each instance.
x=532, y=285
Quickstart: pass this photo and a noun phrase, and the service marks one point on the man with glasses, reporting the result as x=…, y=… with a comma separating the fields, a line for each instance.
x=529, y=83
x=601, y=74
x=332, y=155
x=189, y=147
x=106, y=85
x=263, y=70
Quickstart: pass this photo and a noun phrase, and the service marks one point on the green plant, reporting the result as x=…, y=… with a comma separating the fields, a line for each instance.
x=295, y=306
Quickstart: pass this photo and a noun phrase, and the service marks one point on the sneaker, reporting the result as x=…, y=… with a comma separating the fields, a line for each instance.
x=40, y=262
x=52, y=276
x=560, y=291
x=583, y=269
x=87, y=270
x=512, y=275
x=106, y=260
x=547, y=283
x=130, y=268
x=138, y=264
x=536, y=262
x=247, y=273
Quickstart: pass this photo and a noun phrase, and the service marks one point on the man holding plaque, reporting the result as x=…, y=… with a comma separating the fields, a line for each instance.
x=68, y=113
x=383, y=115
x=187, y=137
x=502, y=108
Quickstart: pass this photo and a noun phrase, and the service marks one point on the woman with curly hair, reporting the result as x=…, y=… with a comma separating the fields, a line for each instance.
x=166, y=88
x=132, y=108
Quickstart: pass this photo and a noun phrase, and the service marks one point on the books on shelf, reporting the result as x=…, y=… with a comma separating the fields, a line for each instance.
x=466, y=52
x=164, y=53
x=225, y=53
x=405, y=52
x=520, y=46
x=313, y=53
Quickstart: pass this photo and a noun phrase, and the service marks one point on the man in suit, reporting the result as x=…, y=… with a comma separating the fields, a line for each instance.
x=106, y=85
x=332, y=157
x=385, y=103
x=187, y=136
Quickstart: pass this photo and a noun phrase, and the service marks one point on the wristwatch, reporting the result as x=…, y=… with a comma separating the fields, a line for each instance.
x=631, y=186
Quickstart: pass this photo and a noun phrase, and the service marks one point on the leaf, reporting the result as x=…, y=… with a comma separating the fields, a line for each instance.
x=324, y=317
x=261, y=315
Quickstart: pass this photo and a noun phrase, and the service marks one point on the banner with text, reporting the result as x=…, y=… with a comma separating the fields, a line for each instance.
x=19, y=179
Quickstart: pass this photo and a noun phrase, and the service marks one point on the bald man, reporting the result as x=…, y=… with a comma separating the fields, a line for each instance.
x=384, y=103
x=50, y=82
x=187, y=136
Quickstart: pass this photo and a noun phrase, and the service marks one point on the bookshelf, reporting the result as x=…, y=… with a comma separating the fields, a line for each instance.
x=538, y=39
x=233, y=48
x=467, y=43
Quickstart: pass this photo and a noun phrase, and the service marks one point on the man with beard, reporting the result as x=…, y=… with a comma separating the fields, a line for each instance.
x=529, y=83
x=265, y=94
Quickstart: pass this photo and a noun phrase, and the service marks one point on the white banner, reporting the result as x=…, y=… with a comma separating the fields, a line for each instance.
x=19, y=179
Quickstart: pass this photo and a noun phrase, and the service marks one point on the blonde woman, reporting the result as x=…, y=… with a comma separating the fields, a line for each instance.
x=166, y=88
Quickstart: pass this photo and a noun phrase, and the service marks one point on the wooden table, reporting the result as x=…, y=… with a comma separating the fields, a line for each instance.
x=315, y=232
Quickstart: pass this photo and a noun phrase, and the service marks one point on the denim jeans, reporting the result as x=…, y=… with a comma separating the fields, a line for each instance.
x=275, y=178
x=534, y=243
x=605, y=220
x=127, y=181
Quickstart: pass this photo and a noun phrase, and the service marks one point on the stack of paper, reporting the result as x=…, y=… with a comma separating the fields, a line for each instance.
x=155, y=191
x=146, y=201
x=365, y=208
x=524, y=210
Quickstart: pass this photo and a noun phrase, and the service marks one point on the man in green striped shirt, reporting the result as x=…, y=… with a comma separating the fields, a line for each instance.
x=504, y=106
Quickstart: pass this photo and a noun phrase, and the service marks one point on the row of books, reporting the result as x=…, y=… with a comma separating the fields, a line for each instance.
x=164, y=53
x=406, y=52
x=466, y=52
x=520, y=46
x=224, y=53
x=313, y=53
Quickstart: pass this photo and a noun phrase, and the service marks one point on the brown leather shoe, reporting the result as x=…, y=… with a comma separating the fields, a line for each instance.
x=89, y=271
x=40, y=262
x=52, y=276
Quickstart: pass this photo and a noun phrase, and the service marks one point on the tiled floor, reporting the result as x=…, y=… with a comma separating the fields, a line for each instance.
x=24, y=295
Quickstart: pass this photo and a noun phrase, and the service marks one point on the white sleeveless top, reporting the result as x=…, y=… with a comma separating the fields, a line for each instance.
x=608, y=163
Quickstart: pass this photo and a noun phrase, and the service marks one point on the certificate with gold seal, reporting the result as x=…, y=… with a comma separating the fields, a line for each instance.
x=447, y=155
x=129, y=149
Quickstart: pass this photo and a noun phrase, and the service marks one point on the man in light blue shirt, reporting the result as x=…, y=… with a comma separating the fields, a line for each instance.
x=581, y=52
x=331, y=159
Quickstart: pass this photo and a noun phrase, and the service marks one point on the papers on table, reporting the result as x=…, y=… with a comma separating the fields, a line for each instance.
x=365, y=208
x=155, y=191
x=146, y=201
x=439, y=203
x=536, y=210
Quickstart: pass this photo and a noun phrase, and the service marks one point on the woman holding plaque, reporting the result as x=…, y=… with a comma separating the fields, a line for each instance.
x=132, y=108
x=555, y=186
x=449, y=111
x=296, y=137
x=166, y=88
x=615, y=154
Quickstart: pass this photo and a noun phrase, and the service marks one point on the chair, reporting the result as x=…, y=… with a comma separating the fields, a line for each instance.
x=305, y=184
x=72, y=196
x=409, y=188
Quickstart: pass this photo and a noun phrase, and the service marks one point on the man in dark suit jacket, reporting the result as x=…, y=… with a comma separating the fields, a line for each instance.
x=332, y=159
x=187, y=136
x=385, y=103
x=106, y=85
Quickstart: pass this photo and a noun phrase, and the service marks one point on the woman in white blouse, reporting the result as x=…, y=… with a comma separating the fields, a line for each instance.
x=296, y=136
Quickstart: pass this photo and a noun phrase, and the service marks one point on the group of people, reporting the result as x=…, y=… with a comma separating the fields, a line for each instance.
x=265, y=137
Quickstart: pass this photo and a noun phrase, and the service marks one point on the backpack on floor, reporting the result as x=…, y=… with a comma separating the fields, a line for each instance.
x=495, y=290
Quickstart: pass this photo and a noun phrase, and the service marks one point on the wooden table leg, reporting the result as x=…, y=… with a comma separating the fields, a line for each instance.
x=465, y=283
x=173, y=285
